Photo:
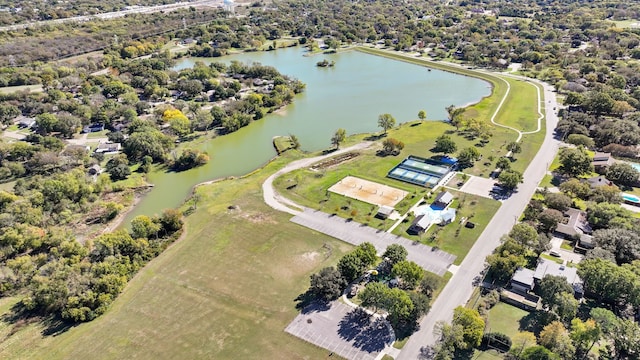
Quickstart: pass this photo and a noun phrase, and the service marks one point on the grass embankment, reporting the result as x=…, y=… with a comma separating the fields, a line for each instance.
x=224, y=291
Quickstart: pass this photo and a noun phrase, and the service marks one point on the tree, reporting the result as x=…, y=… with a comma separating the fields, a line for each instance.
x=338, y=137
x=624, y=333
x=430, y=283
x=555, y=337
x=623, y=243
x=584, y=334
x=565, y=306
x=514, y=147
x=604, y=215
x=143, y=226
x=422, y=114
x=560, y=202
x=392, y=146
x=522, y=341
x=395, y=253
x=118, y=167
x=409, y=273
x=386, y=122
x=575, y=188
x=506, y=259
x=509, y=179
x=538, y=353
x=550, y=286
x=327, y=284
x=606, y=194
x=524, y=234
x=374, y=295
x=8, y=113
x=623, y=173
x=444, y=144
x=468, y=156
x=575, y=162
x=472, y=324
x=46, y=123
x=609, y=282
x=581, y=140
x=455, y=115
x=503, y=163
x=549, y=219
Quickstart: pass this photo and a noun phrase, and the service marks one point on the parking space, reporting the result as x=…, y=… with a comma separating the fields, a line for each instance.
x=479, y=186
x=348, y=332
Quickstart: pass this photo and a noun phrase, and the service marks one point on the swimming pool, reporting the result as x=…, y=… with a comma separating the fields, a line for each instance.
x=630, y=198
x=635, y=165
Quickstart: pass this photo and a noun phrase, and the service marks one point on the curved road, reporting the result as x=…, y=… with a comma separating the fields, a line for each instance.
x=278, y=202
x=460, y=286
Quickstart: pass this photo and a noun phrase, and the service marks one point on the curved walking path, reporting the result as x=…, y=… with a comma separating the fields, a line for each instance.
x=279, y=202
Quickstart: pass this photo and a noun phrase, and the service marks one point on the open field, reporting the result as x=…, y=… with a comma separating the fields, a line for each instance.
x=226, y=290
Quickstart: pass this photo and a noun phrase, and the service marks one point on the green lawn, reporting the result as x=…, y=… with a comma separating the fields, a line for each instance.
x=226, y=290
x=455, y=238
x=505, y=318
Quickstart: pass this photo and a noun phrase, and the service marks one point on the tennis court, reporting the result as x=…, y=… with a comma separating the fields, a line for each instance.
x=368, y=191
x=420, y=171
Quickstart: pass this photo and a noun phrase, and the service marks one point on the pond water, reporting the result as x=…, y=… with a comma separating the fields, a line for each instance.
x=350, y=95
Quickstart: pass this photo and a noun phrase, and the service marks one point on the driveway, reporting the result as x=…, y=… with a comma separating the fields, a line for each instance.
x=566, y=255
x=345, y=331
x=436, y=261
x=478, y=186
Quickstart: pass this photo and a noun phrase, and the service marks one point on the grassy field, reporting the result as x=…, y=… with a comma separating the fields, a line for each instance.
x=226, y=290
x=505, y=318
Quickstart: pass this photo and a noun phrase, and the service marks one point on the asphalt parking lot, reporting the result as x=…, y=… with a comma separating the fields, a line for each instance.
x=342, y=330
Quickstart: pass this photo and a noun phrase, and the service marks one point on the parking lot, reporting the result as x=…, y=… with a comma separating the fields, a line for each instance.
x=479, y=186
x=345, y=331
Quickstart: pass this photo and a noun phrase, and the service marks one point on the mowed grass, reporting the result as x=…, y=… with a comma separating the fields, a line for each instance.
x=454, y=238
x=226, y=290
x=505, y=318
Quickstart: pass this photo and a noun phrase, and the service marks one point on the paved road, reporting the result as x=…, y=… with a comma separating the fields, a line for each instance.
x=459, y=288
x=115, y=14
x=436, y=261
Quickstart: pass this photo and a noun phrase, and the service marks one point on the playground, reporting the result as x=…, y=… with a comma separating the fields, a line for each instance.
x=368, y=191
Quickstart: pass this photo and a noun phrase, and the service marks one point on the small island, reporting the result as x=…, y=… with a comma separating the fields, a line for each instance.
x=326, y=63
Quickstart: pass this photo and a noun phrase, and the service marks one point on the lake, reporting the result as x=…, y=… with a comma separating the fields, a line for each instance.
x=350, y=95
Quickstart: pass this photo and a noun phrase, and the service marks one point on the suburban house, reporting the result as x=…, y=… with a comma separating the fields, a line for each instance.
x=26, y=122
x=575, y=226
x=524, y=280
x=601, y=161
x=108, y=148
x=93, y=128
x=443, y=199
x=384, y=212
x=598, y=181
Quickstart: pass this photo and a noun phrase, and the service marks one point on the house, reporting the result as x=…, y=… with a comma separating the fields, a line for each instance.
x=26, y=122
x=523, y=281
x=574, y=224
x=384, y=212
x=598, y=181
x=448, y=216
x=108, y=148
x=601, y=161
x=443, y=199
x=93, y=128
x=548, y=267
